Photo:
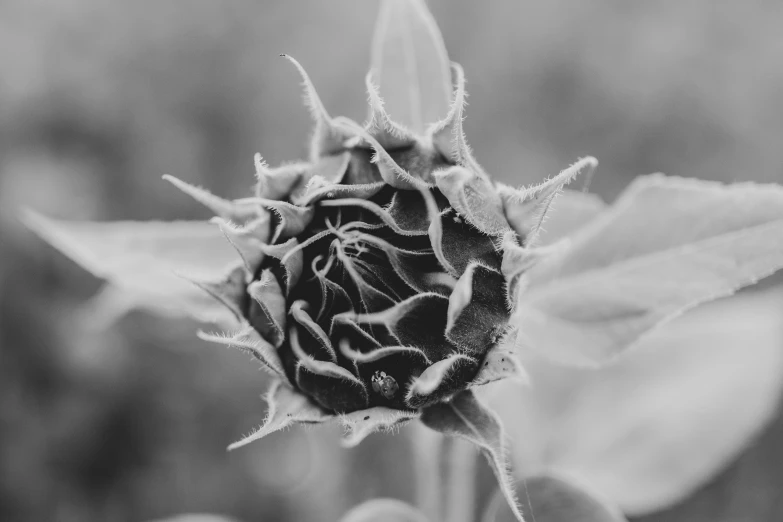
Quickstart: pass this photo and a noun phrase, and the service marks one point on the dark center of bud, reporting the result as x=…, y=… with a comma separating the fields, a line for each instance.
x=369, y=309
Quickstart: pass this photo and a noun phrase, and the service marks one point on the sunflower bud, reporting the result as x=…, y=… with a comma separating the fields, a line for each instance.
x=380, y=275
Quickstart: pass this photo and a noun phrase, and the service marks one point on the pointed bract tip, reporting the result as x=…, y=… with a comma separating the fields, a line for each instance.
x=410, y=56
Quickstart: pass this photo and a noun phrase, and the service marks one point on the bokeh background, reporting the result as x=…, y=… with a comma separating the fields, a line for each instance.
x=99, y=98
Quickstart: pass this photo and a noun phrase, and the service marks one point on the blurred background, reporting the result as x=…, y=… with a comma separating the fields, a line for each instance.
x=99, y=99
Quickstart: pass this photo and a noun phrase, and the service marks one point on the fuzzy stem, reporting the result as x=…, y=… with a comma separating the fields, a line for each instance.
x=460, y=481
x=427, y=453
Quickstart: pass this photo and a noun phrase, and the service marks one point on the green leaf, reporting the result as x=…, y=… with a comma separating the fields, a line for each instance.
x=551, y=499
x=748, y=490
x=144, y=258
x=410, y=64
x=569, y=212
x=666, y=245
x=465, y=417
x=650, y=429
x=384, y=510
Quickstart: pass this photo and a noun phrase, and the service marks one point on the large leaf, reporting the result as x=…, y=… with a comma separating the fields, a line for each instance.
x=648, y=430
x=465, y=417
x=410, y=64
x=384, y=510
x=142, y=259
x=665, y=246
x=749, y=490
x=551, y=499
x=569, y=212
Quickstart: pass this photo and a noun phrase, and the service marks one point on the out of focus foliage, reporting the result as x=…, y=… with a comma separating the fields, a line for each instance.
x=98, y=99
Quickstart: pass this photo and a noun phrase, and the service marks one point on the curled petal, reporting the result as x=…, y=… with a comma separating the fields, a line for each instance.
x=460, y=296
x=442, y=379
x=247, y=239
x=332, y=168
x=420, y=270
x=286, y=407
x=326, y=191
x=343, y=327
x=292, y=259
x=334, y=298
x=228, y=291
x=300, y=315
x=249, y=341
x=390, y=171
x=388, y=133
x=435, y=232
x=279, y=183
x=477, y=313
x=516, y=259
x=372, y=298
x=526, y=209
x=500, y=363
x=447, y=134
x=361, y=423
x=420, y=160
x=376, y=209
x=228, y=210
x=380, y=353
x=325, y=173
x=457, y=244
x=361, y=170
x=292, y=219
x=327, y=137
x=475, y=198
x=409, y=211
x=270, y=303
x=332, y=386
x=417, y=321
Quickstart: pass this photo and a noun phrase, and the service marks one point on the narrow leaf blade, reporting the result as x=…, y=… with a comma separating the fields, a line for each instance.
x=143, y=258
x=411, y=65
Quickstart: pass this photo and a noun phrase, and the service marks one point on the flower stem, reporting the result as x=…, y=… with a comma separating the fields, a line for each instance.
x=427, y=449
x=460, y=481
